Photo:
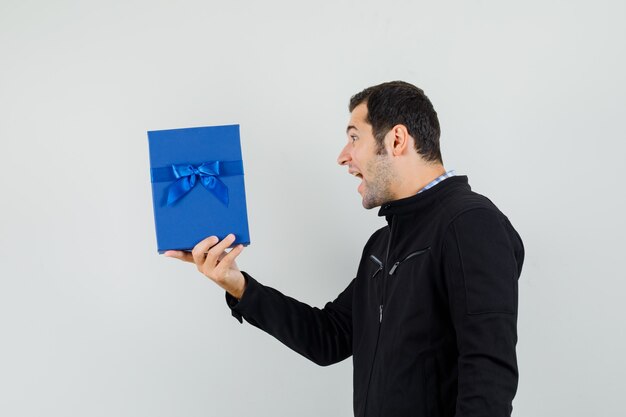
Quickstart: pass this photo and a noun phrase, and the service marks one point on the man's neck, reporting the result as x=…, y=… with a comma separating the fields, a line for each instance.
x=418, y=180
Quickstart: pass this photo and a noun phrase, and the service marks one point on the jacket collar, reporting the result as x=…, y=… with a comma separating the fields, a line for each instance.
x=424, y=199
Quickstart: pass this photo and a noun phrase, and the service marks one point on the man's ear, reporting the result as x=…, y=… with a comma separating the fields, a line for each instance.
x=401, y=140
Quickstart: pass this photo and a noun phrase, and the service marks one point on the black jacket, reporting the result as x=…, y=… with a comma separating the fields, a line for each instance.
x=430, y=319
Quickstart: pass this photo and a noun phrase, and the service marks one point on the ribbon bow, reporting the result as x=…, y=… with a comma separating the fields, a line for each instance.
x=187, y=175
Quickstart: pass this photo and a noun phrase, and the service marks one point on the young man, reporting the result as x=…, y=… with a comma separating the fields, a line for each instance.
x=431, y=318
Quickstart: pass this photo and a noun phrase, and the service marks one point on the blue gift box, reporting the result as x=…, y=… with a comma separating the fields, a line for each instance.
x=197, y=186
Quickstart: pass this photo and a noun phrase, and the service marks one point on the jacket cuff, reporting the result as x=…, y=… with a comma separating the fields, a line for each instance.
x=235, y=304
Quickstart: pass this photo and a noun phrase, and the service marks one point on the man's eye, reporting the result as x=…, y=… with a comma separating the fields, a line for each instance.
x=353, y=138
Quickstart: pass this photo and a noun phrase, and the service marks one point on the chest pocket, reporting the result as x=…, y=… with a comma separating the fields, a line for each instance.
x=408, y=257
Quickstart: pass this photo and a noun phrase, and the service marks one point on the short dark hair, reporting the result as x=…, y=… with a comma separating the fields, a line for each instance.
x=398, y=102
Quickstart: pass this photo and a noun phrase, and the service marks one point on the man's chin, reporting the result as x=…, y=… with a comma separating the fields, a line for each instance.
x=368, y=205
x=368, y=200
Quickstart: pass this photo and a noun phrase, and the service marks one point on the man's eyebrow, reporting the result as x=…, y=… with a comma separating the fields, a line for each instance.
x=351, y=127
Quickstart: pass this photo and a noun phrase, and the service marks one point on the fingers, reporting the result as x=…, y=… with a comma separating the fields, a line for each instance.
x=219, y=258
x=179, y=254
x=199, y=251
x=225, y=271
x=212, y=260
x=228, y=259
x=208, y=252
x=214, y=253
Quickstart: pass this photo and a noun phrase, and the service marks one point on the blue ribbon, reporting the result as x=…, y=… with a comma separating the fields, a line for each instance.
x=187, y=176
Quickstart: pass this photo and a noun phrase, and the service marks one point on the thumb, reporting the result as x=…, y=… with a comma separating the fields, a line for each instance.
x=179, y=254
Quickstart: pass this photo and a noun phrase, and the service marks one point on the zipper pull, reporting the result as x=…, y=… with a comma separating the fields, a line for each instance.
x=409, y=256
x=393, y=268
x=378, y=262
x=381, y=314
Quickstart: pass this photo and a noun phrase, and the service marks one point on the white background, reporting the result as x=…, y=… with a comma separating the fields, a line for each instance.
x=531, y=99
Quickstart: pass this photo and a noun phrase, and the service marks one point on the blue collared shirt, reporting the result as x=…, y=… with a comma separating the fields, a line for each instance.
x=437, y=180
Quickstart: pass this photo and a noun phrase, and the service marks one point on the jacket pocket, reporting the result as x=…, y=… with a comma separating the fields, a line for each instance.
x=406, y=258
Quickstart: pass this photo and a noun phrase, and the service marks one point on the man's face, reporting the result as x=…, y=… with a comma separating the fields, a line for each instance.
x=376, y=171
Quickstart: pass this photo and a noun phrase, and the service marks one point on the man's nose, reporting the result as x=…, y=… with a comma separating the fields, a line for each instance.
x=344, y=156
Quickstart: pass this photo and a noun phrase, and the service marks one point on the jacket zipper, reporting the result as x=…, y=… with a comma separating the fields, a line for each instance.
x=386, y=263
x=406, y=258
x=381, y=267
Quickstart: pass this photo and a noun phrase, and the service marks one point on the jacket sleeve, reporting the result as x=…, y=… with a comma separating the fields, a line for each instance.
x=483, y=257
x=322, y=335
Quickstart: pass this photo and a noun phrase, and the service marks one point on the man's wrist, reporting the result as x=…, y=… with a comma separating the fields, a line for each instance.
x=238, y=292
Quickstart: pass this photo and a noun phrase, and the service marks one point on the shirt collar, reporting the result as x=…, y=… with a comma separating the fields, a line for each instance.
x=437, y=180
x=425, y=197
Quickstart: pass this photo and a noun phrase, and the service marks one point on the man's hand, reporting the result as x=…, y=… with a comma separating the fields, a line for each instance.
x=213, y=261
